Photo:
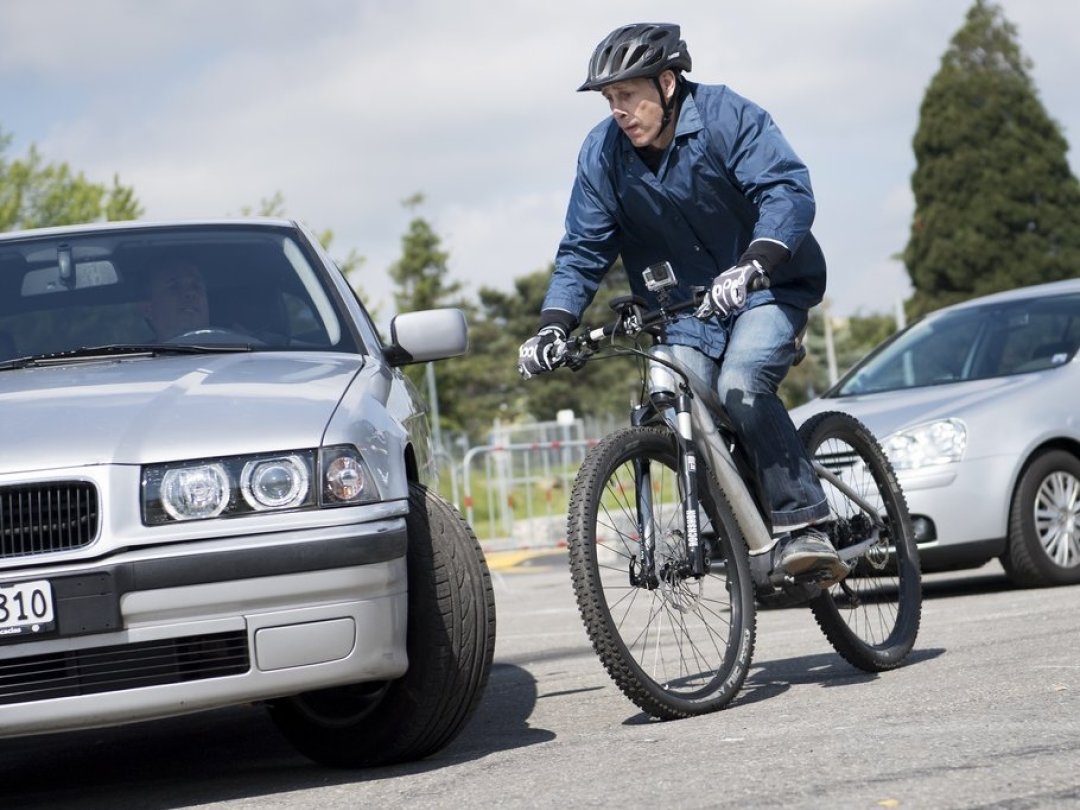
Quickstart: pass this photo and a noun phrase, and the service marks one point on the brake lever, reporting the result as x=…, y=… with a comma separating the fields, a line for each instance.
x=576, y=361
x=578, y=349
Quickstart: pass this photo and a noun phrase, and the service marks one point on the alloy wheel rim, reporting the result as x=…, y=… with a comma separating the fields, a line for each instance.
x=1057, y=518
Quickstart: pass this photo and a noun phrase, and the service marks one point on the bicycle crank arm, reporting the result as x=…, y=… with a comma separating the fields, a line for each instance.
x=851, y=552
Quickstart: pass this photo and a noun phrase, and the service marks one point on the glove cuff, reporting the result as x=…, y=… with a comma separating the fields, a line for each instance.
x=559, y=318
x=767, y=253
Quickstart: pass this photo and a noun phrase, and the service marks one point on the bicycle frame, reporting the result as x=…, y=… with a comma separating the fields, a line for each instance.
x=703, y=432
x=686, y=406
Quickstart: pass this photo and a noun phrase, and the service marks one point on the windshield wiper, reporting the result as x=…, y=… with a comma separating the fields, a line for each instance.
x=127, y=349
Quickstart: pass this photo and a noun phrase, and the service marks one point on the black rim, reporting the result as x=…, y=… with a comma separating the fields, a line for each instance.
x=681, y=633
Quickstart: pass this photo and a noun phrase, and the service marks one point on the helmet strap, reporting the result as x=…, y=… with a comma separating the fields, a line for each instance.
x=666, y=104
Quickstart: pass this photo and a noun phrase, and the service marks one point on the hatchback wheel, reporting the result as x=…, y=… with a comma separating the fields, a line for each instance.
x=1044, y=522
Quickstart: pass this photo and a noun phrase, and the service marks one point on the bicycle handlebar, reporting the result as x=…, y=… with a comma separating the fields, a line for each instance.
x=643, y=319
x=632, y=320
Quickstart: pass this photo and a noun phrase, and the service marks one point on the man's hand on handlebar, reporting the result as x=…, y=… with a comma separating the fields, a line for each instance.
x=543, y=352
x=730, y=289
x=553, y=347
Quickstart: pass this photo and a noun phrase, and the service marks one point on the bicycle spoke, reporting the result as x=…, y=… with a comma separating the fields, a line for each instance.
x=872, y=617
x=671, y=642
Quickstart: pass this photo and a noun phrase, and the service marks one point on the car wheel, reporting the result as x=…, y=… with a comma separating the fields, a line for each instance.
x=1044, y=523
x=450, y=642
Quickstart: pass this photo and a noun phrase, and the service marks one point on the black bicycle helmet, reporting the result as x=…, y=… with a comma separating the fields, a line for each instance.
x=641, y=50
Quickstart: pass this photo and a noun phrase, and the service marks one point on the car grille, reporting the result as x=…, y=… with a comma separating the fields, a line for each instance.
x=127, y=666
x=43, y=518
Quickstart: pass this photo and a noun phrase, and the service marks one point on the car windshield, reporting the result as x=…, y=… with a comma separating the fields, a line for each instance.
x=252, y=288
x=972, y=343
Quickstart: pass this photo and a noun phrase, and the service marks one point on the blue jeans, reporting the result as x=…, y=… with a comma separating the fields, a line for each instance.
x=757, y=353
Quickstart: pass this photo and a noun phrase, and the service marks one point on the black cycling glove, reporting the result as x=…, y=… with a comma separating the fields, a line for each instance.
x=730, y=289
x=545, y=351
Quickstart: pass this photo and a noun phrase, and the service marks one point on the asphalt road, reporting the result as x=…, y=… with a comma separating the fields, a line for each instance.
x=986, y=714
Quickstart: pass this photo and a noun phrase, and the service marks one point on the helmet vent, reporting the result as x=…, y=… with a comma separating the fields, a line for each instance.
x=643, y=50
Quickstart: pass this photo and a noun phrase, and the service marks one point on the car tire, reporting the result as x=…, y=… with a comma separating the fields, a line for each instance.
x=1044, y=528
x=450, y=643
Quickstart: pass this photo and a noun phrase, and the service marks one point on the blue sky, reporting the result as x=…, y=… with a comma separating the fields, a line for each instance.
x=349, y=107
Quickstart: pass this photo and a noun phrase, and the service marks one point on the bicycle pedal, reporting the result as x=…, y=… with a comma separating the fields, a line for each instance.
x=827, y=579
x=823, y=578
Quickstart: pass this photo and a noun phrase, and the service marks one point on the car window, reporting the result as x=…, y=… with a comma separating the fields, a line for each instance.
x=255, y=287
x=972, y=343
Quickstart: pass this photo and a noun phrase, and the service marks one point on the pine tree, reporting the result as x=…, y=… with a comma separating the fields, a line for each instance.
x=996, y=204
x=421, y=277
x=422, y=273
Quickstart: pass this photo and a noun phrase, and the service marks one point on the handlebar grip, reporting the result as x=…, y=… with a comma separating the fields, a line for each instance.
x=759, y=282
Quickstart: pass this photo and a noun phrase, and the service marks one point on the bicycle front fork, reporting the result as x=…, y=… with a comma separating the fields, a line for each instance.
x=691, y=562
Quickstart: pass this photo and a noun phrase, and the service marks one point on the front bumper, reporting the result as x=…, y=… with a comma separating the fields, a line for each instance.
x=968, y=504
x=171, y=629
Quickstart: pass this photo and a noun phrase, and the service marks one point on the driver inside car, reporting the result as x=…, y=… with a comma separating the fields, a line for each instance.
x=176, y=302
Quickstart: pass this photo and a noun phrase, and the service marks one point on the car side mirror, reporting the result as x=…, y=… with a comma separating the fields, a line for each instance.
x=429, y=334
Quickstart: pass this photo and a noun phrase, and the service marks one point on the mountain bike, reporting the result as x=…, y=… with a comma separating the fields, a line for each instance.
x=669, y=537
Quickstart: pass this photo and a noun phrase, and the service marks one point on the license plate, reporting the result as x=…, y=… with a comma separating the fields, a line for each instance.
x=26, y=608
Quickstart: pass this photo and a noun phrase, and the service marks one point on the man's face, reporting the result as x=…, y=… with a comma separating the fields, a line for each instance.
x=636, y=107
x=177, y=301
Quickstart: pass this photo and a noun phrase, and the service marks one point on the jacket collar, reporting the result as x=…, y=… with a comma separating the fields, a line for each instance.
x=688, y=122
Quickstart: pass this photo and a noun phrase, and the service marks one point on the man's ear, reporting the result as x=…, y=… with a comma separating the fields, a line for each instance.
x=668, y=82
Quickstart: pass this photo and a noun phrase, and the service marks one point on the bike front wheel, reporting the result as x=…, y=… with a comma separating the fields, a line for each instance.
x=675, y=644
x=872, y=617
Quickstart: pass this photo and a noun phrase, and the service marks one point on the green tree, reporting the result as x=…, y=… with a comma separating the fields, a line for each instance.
x=996, y=204
x=600, y=389
x=422, y=272
x=36, y=194
x=422, y=281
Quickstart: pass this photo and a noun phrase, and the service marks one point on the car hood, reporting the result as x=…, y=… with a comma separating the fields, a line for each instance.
x=140, y=410
x=889, y=411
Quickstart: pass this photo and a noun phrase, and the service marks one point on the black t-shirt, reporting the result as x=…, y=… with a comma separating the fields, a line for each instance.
x=651, y=157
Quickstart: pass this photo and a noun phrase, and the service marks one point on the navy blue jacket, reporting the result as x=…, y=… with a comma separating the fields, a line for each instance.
x=728, y=177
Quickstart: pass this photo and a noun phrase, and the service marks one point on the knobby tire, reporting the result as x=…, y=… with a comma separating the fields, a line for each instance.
x=872, y=621
x=684, y=647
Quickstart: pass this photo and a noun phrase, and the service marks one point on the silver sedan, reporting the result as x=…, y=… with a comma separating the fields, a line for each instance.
x=976, y=407
x=213, y=491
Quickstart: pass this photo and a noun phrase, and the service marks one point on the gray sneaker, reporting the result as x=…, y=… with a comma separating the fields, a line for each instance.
x=809, y=551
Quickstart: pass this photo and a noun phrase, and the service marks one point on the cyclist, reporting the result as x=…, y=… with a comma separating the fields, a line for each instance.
x=697, y=175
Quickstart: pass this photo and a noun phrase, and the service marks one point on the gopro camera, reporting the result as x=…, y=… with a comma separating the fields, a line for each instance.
x=659, y=276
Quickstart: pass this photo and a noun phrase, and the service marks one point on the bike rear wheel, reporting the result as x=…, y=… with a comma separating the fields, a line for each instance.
x=679, y=646
x=872, y=617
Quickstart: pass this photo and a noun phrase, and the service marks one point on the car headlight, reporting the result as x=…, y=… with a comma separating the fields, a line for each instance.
x=190, y=493
x=940, y=442
x=238, y=485
x=276, y=483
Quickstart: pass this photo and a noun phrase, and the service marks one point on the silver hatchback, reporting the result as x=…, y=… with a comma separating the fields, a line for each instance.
x=976, y=407
x=213, y=491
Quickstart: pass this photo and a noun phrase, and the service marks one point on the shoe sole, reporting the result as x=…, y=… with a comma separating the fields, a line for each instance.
x=799, y=564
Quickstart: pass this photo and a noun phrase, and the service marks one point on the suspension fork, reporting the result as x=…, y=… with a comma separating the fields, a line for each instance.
x=645, y=575
x=695, y=551
x=675, y=410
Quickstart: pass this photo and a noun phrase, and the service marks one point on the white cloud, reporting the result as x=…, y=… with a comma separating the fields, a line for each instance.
x=348, y=107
